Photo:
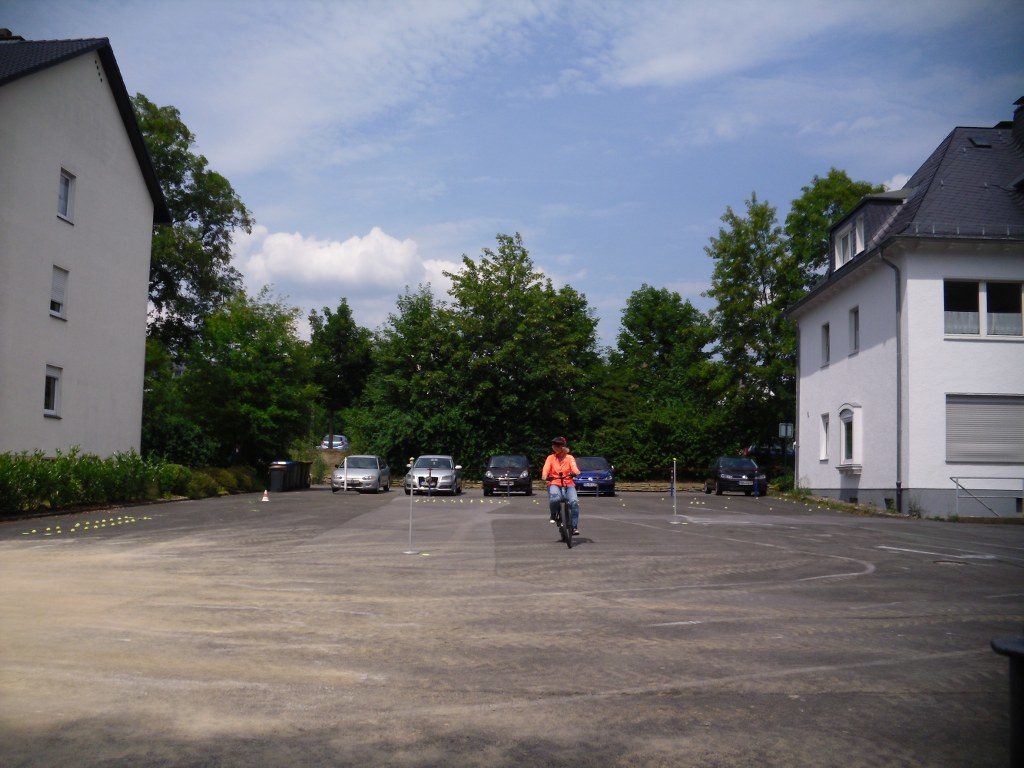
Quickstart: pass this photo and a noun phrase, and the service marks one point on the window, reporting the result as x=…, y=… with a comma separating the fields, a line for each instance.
x=826, y=345
x=1003, y=309
x=985, y=428
x=58, y=292
x=846, y=417
x=849, y=241
x=854, y=330
x=66, y=196
x=51, y=397
x=977, y=308
x=823, y=438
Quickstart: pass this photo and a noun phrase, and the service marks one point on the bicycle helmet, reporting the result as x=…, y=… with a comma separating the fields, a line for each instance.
x=559, y=441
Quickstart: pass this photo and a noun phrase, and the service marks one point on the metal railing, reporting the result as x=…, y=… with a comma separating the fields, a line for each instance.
x=963, y=492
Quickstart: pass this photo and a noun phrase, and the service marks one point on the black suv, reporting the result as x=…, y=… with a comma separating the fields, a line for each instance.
x=736, y=473
x=508, y=473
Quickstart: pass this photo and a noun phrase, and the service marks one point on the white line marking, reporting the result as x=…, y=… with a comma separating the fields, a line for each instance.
x=674, y=624
x=937, y=554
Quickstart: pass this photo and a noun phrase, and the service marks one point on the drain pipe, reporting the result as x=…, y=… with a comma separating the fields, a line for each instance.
x=899, y=384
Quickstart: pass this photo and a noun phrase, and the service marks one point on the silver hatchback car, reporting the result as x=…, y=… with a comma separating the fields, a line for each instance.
x=361, y=473
x=434, y=474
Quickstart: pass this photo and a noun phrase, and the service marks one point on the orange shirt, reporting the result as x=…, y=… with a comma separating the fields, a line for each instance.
x=567, y=466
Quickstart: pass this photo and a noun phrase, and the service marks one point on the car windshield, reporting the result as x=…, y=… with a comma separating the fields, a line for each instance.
x=433, y=462
x=592, y=464
x=361, y=462
x=736, y=464
x=518, y=462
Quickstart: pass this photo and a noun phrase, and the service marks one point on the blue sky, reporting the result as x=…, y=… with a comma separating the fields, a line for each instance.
x=377, y=142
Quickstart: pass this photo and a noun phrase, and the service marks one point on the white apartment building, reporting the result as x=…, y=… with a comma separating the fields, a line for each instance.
x=910, y=381
x=78, y=200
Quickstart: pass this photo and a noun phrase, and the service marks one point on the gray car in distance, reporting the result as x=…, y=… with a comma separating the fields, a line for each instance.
x=361, y=473
x=434, y=473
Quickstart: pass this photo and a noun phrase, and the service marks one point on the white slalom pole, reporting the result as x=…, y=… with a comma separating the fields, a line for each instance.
x=412, y=495
x=675, y=518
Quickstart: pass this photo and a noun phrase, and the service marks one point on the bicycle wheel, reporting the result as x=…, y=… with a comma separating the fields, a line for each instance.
x=567, y=524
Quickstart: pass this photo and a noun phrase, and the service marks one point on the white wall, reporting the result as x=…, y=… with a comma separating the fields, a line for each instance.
x=866, y=378
x=938, y=365
x=65, y=116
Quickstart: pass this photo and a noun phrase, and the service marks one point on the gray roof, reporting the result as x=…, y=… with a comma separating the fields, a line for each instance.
x=19, y=58
x=971, y=187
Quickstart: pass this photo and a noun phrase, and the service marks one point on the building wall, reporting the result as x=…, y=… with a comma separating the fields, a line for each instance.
x=65, y=116
x=866, y=379
x=938, y=365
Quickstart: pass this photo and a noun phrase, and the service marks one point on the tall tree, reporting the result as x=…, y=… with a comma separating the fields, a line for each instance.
x=525, y=353
x=824, y=201
x=341, y=357
x=755, y=278
x=190, y=273
x=247, y=379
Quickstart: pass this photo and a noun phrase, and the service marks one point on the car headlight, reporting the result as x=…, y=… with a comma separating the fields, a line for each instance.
x=524, y=474
x=489, y=475
x=445, y=478
x=367, y=477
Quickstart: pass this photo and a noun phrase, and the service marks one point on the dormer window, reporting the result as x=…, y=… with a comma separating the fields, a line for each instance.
x=849, y=241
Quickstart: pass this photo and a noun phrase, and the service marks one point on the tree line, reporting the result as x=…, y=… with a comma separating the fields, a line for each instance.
x=501, y=365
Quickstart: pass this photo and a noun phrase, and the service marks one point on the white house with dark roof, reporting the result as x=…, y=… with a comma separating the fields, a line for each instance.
x=78, y=199
x=910, y=381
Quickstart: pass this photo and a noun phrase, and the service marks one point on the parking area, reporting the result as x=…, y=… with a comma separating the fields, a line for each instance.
x=738, y=631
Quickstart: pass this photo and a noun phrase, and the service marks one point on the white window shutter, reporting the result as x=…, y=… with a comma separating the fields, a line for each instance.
x=985, y=429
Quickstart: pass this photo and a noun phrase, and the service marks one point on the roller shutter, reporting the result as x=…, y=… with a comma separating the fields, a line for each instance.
x=985, y=429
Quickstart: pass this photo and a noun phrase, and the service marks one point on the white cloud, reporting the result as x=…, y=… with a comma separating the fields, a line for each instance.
x=368, y=271
x=896, y=182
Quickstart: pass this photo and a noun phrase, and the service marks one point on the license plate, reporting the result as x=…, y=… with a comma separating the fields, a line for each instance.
x=505, y=482
x=746, y=482
x=589, y=485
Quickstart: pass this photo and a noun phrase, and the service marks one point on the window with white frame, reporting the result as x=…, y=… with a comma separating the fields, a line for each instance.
x=58, y=292
x=983, y=308
x=826, y=345
x=51, y=397
x=851, y=436
x=66, y=195
x=854, y=330
x=849, y=241
x=823, y=438
x=986, y=429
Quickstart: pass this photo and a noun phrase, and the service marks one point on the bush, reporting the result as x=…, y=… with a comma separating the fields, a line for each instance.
x=783, y=483
x=245, y=478
x=224, y=478
x=173, y=479
x=203, y=485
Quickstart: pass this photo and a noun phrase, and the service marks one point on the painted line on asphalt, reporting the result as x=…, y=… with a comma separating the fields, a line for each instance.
x=935, y=554
x=674, y=624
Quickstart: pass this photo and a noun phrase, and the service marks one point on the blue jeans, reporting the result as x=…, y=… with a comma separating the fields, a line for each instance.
x=555, y=496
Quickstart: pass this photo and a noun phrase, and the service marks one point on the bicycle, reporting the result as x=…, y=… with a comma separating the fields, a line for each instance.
x=564, y=520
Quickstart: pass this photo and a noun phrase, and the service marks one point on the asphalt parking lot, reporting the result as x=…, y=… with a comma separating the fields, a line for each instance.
x=739, y=632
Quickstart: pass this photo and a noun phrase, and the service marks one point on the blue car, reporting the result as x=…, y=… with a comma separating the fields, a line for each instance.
x=597, y=476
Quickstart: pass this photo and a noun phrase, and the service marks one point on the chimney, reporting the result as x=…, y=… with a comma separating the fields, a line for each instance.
x=1018, y=123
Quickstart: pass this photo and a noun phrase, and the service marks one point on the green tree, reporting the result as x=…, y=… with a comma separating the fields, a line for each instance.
x=661, y=388
x=341, y=358
x=525, y=355
x=823, y=202
x=755, y=278
x=168, y=430
x=247, y=379
x=190, y=272
x=407, y=406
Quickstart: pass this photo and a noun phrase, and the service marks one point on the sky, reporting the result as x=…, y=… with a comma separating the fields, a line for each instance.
x=376, y=143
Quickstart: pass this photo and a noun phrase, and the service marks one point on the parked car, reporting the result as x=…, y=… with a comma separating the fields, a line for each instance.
x=597, y=476
x=434, y=473
x=736, y=473
x=337, y=442
x=361, y=473
x=508, y=473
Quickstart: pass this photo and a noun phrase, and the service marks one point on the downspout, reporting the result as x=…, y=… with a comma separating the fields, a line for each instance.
x=899, y=384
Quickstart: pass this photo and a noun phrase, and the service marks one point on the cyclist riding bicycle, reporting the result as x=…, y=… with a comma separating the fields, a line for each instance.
x=559, y=470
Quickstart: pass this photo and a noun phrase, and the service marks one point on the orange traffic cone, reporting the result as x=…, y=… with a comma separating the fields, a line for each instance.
x=266, y=496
